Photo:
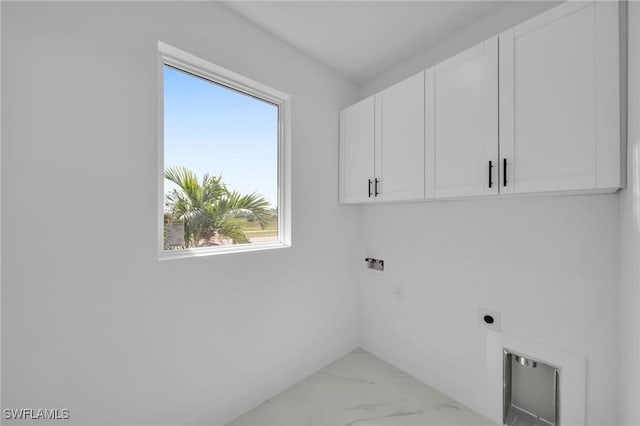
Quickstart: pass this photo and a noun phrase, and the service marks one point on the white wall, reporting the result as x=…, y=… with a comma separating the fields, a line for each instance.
x=549, y=265
x=630, y=239
x=91, y=320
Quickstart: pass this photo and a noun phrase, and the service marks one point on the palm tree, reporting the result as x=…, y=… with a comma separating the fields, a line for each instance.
x=209, y=210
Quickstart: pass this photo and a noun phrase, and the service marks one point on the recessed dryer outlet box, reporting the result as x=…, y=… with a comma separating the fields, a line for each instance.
x=489, y=319
x=531, y=391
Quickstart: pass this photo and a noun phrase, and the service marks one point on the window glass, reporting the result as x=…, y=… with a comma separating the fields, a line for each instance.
x=220, y=165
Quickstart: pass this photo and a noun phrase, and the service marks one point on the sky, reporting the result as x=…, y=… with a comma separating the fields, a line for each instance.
x=210, y=128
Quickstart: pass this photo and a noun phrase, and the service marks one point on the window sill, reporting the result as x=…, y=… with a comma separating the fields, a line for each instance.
x=211, y=251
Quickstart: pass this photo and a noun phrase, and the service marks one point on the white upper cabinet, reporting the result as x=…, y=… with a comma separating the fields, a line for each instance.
x=559, y=100
x=462, y=103
x=357, y=152
x=399, y=153
x=535, y=109
x=382, y=145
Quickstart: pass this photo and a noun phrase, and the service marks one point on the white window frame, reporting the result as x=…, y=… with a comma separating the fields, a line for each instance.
x=174, y=57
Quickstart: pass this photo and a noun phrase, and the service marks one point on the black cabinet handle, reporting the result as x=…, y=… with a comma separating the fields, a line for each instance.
x=369, y=187
x=504, y=172
x=490, y=174
x=376, y=187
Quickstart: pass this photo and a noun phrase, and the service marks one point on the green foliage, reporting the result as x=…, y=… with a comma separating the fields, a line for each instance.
x=209, y=211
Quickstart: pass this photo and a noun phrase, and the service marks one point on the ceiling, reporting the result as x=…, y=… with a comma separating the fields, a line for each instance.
x=361, y=39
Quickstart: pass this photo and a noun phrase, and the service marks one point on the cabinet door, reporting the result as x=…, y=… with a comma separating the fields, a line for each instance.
x=464, y=138
x=399, y=136
x=357, y=151
x=559, y=99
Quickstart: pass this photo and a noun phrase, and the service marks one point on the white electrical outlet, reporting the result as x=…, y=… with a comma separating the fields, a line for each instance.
x=489, y=319
x=399, y=292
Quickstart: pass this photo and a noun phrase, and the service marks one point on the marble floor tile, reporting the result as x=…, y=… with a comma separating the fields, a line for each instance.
x=362, y=390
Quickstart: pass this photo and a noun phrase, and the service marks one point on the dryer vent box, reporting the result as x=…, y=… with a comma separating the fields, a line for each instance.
x=531, y=391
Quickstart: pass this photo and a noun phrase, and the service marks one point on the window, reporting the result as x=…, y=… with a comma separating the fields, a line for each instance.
x=224, y=160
